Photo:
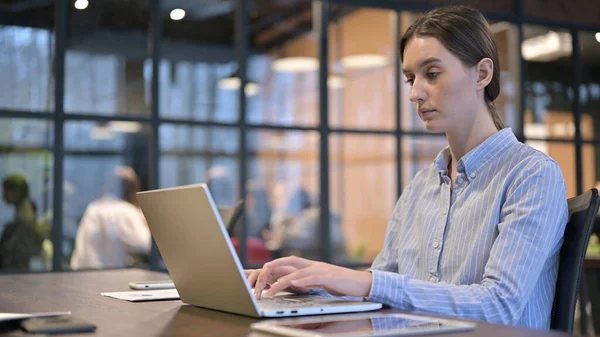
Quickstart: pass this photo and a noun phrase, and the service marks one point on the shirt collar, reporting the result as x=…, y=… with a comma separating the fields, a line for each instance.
x=475, y=159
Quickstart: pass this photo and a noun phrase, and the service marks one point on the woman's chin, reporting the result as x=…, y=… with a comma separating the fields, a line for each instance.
x=434, y=126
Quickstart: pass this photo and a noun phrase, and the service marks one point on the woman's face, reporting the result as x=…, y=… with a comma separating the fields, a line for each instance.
x=443, y=90
x=6, y=195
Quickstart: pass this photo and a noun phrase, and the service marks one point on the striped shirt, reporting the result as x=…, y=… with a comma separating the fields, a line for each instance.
x=487, y=249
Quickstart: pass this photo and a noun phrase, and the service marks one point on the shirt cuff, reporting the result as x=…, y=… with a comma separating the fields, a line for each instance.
x=386, y=288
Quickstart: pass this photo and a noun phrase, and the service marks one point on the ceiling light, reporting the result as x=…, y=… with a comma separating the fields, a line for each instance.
x=100, y=133
x=335, y=82
x=547, y=47
x=177, y=14
x=297, y=64
x=229, y=83
x=125, y=127
x=81, y=4
x=364, y=61
x=233, y=84
x=252, y=89
x=598, y=36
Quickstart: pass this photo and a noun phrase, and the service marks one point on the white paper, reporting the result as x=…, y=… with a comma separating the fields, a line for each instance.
x=10, y=316
x=144, y=295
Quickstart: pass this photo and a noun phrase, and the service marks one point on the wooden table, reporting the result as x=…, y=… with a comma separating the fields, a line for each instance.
x=79, y=292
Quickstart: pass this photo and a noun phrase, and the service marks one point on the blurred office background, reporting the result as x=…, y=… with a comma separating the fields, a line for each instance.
x=320, y=142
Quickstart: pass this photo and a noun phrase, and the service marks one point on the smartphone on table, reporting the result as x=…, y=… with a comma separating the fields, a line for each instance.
x=147, y=285
x=63, y=324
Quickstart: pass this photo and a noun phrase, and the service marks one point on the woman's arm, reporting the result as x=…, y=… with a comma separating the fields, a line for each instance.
x=533, y=220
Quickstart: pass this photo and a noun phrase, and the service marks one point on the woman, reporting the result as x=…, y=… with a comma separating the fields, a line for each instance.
x=20, y=241
x=475, y=235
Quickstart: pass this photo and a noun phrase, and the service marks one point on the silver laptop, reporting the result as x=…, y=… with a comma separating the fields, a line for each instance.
x=204, y=266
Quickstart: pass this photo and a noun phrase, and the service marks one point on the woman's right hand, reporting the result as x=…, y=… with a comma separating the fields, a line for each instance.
x=274, y=275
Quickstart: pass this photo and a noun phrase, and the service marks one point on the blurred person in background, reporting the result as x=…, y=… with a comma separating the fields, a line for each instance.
x=220, y=184
x=257, y=212
x=295, y=230
x=113, y=229
x=20, y=241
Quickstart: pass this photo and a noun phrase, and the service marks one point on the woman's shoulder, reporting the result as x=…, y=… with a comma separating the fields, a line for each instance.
x=422, y=178
x=525, y=162
x=531, y=157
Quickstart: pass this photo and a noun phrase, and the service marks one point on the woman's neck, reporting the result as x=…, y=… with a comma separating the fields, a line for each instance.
x=470, y=135
x=24, y=213
x=21, y=204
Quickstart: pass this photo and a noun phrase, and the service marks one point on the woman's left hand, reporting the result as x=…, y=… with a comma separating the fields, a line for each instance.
x=335, y=280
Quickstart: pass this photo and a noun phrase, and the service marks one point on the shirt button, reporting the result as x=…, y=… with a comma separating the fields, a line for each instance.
x=473, y=175
x=436, y=244
x=459, y=180
x=433, y=279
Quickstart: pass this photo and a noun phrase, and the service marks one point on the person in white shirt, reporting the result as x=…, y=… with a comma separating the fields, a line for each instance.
x=112, y=229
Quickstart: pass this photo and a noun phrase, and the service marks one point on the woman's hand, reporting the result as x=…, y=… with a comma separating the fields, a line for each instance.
x=271, y=276
x=299, y=275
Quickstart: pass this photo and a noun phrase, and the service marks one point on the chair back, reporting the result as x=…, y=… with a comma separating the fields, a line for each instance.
x=583, y=210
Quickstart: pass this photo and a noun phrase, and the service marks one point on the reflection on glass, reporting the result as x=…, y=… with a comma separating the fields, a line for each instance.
x=101, y=174
x=199, y=76
x=564, y=154
x=199, y=90
x=548, y=83
x=589, y=91
x=284, y=75
x=107, y=69
x=286, y=96
x=25, y=69
x=192, y=155
x=418, y=153
x=26, y=173
x=283, y=188
x=363, y=192
x=361, y=83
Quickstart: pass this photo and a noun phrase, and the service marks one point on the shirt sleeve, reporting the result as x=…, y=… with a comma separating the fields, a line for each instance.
x=531, y=228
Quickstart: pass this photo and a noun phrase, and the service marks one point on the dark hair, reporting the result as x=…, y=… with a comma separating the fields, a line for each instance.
x=131, y=185
x=123, y=182
x=17, y=184
x=465, y=32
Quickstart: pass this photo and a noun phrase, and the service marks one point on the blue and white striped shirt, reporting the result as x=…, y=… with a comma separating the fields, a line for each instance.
x=486, y=250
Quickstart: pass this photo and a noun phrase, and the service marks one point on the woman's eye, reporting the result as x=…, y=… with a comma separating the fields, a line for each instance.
x=432, y=74
x=410, y=81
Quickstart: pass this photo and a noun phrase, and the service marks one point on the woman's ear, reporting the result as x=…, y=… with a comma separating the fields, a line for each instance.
x=485, y=72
